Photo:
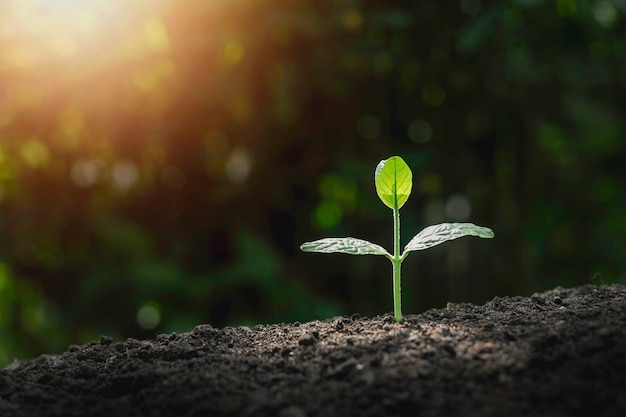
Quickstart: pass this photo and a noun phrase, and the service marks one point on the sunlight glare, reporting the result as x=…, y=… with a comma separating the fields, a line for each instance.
x=40, y=30
x=60, y=17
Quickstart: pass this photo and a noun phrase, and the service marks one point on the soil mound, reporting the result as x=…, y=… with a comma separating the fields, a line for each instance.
x=558, y=353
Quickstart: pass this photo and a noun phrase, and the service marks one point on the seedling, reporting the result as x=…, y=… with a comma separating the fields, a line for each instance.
x=394, y=180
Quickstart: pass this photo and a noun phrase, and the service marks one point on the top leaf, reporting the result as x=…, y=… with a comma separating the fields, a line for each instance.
x=394, y=181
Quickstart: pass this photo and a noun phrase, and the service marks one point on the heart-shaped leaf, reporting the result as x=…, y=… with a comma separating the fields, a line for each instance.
x=394, y=181
x=439, y=233
x=349, y=245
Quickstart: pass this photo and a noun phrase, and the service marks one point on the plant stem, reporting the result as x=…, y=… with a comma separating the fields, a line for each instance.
x=396, y=262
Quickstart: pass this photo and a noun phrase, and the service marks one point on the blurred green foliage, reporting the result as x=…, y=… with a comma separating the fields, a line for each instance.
x=161, y=162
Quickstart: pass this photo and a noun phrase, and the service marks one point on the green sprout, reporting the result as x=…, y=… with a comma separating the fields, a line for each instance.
x=394, y=180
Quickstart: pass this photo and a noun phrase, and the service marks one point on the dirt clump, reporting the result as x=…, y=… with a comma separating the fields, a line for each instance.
x=558, y=353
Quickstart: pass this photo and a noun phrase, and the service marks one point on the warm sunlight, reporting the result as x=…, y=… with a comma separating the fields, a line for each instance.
x=41, y=32
x=97, y=79
x=65, y=57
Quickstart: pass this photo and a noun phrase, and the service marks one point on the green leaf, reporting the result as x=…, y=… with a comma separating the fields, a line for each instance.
x=347, y=245
x=439, y=233
x=394, y=181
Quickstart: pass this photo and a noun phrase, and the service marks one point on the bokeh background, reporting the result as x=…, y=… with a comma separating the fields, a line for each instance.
x=161, y=161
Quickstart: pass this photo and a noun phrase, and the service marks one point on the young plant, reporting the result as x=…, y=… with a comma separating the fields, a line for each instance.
x=394, y=180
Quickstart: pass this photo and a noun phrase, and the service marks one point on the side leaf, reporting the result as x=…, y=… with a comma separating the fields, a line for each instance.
x=347, y=245
x=394, y=181
x=439, y=233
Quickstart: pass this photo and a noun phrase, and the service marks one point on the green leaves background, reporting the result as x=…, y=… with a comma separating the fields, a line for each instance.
x=514, y=106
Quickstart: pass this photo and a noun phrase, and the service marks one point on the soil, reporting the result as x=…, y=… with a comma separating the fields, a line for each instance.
x=558, y=353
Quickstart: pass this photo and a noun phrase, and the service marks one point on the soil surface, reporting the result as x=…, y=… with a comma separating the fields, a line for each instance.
x=559, y=353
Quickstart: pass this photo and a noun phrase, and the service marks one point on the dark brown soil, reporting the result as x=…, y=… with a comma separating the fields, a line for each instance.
x=560, y=353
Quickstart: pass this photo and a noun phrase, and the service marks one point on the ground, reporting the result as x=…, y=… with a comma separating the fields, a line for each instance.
x=558, y=353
